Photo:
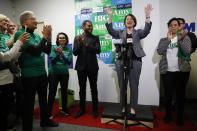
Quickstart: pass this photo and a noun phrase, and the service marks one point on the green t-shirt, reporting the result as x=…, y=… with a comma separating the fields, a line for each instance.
x=59, y=65
x=3, y=47
x=31, y=66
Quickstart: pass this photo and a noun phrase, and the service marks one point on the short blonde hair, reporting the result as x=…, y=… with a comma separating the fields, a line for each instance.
x=3, y=17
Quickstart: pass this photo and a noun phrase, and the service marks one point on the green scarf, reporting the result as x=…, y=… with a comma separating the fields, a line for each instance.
x=180, y=55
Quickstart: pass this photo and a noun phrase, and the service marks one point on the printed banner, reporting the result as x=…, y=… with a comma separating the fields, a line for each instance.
x=94, y=10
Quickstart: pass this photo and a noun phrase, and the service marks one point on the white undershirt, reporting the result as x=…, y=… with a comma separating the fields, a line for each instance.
x=172, y=57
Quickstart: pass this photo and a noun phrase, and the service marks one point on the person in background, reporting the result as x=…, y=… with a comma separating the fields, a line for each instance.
x=60, y=57
x=191, y=35
x=33, y=73
x=174, y=69
x=86, y=46
x=6, y=76
x=193, y=39
x=132, y=37
x=4, y=22
x=6, y=31
x=11, y=30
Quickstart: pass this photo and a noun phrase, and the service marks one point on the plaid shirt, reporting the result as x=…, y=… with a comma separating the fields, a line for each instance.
x=184, y=46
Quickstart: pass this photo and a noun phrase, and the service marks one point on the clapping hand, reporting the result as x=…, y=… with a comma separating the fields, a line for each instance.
x=47, y=32
x=81, y=39
x=59, y=51
x=24, y=38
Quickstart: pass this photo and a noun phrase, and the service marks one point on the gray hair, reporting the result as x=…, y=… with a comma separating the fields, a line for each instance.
x=24, y=16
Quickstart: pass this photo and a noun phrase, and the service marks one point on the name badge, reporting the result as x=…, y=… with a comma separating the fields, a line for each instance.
x=129, y=40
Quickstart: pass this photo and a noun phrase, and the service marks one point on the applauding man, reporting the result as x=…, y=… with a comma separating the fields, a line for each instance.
x=86, y=46
x=33, y=71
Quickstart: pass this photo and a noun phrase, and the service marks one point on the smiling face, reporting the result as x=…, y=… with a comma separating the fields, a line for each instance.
x=62, y=40
x=11, y=27
x=4, y=24
x=129, y=22
x=88, y=27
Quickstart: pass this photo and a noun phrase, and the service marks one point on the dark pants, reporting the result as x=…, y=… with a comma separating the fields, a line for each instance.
x=19, y=96
x=175, y=81
x=6, y=98
x=30, y=86
x=133, y=76
x=82, y=77
x=53, y=83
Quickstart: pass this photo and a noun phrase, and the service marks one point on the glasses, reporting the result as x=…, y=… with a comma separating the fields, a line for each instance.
x=62, y=38
x=173, y=25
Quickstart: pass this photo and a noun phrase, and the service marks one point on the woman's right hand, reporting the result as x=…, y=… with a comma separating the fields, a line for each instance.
x=24, y=38
x=109, y=11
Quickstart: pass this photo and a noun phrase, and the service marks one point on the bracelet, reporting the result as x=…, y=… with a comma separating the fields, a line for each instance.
x=147, y=17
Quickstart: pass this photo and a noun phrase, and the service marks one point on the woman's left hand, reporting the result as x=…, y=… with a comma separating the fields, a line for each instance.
x=148, y=10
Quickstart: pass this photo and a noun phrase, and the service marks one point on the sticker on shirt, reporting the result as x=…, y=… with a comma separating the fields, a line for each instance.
x=129, y=40
x=172, y=45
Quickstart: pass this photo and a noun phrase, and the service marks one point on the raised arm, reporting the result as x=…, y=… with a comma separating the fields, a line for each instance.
x=147, y=11
x=109, y=26
x=47, y=48
x=143, y=33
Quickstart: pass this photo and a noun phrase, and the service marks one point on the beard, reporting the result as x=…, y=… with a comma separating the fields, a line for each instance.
x=87, y=31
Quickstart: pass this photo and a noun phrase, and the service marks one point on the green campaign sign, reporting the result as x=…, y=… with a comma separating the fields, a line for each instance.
x=94, y=10
x=79, y=5
x=78, y=30
x=99, y=18
x=101, y=3
x=106, y=44
x=119, y=14
x=99, y=29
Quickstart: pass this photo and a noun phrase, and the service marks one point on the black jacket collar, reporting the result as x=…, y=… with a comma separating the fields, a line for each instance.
x=29, y=30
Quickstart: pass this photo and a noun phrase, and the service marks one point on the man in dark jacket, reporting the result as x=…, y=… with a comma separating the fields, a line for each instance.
x=86, y=46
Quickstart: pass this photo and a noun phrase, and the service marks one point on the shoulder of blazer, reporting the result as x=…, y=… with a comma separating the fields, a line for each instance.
x=134, y=31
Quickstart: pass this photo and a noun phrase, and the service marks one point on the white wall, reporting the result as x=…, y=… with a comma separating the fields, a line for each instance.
x=6, y=8
x=187, y=10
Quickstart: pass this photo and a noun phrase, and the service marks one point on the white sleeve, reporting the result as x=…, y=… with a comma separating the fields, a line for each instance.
x=13, y=52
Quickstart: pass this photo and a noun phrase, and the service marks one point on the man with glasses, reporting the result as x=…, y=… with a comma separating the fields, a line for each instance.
x=33, y=71
x=191, y=35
